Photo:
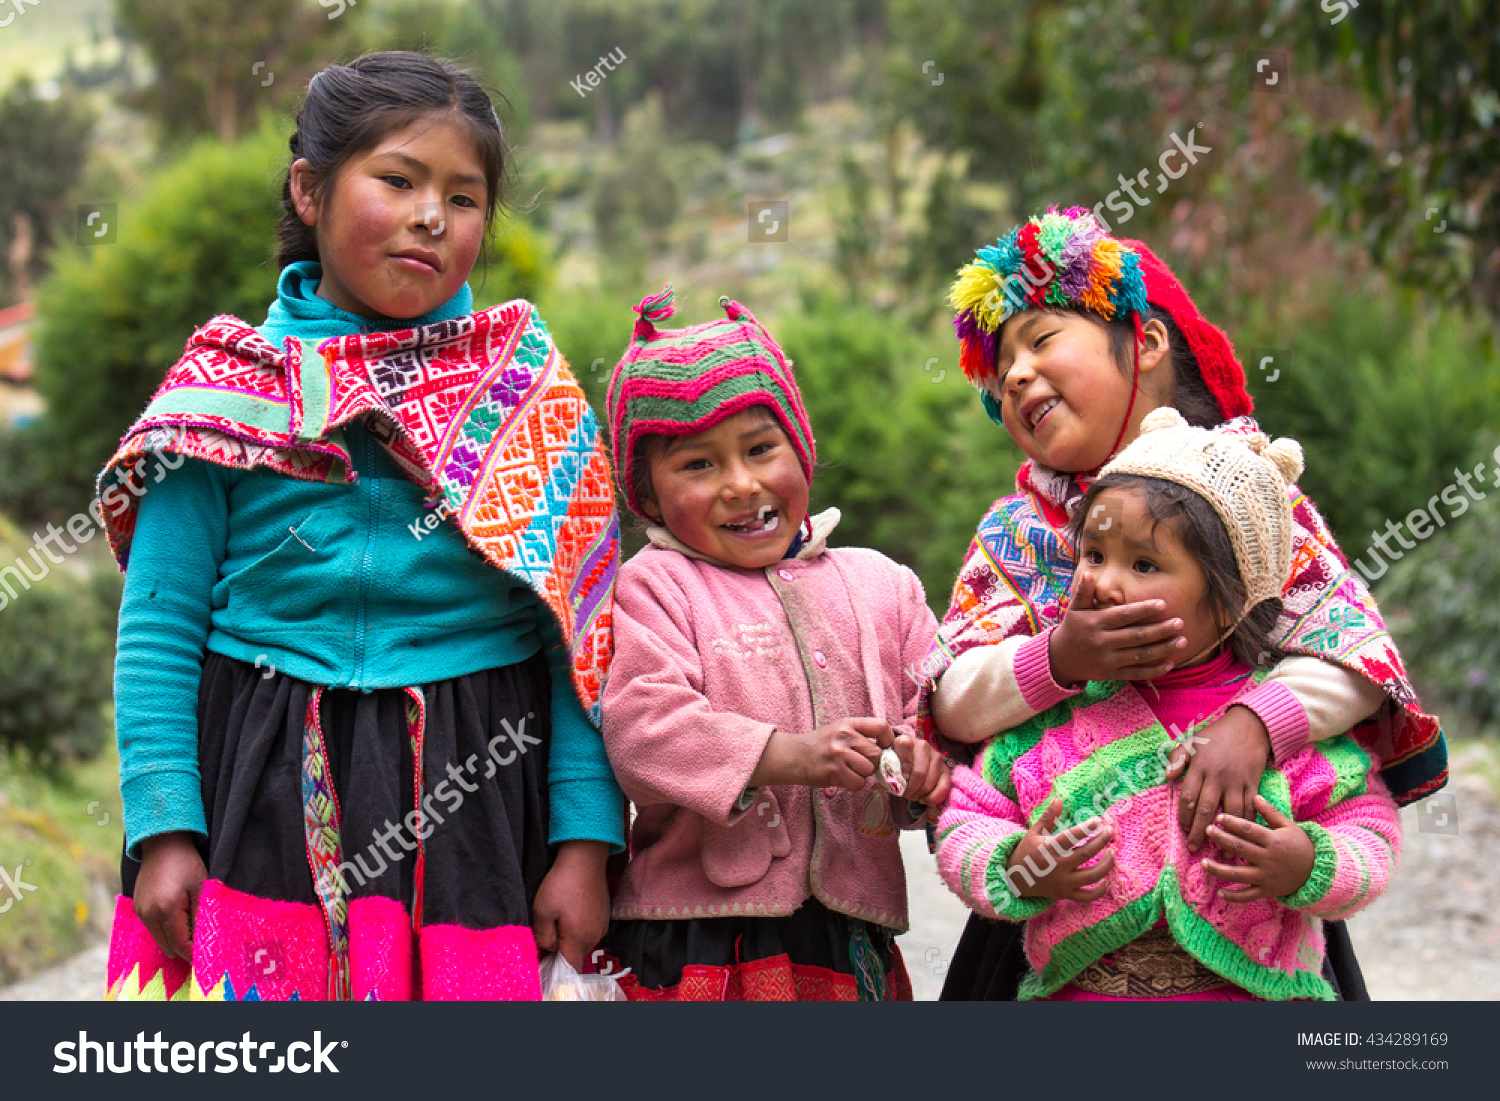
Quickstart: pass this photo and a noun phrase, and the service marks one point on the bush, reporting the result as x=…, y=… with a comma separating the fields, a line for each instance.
x=1440, y=600
x=1385, y=402
x=57, y=650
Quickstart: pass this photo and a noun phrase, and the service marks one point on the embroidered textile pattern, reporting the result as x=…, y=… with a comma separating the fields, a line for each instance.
x=480, y=409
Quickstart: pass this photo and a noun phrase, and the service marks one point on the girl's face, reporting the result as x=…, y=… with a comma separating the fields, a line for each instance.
x=736, y=492
x=1062, y=396
x=400, y=226
x=1132, y=558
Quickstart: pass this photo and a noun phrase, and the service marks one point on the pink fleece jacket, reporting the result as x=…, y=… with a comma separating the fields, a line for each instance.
x=709, y=660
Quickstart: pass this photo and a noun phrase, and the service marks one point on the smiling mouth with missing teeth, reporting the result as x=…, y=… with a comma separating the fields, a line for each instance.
x=762, y=523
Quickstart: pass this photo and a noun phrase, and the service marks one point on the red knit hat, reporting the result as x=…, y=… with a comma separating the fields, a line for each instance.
x=1210, y=345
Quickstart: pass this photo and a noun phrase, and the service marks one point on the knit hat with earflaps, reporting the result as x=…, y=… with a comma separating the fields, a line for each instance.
x=1066, y=260
x=1244, y=476
x=679, y=382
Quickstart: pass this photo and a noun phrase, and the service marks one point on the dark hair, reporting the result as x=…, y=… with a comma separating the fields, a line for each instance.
x=1194, y=521
x=1190, y=394
x=648, y=446
x=350, y=108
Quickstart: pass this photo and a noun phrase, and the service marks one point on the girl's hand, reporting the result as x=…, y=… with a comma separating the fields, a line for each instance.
x=1223, y=769
x=571, y=911
x=928, y=778
x=166, y=891
x=1120, y=643
x=1047, y=864
x=842, y=754
x=1278, y=859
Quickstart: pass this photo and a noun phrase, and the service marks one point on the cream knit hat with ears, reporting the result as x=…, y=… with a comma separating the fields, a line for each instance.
x=1244, y=476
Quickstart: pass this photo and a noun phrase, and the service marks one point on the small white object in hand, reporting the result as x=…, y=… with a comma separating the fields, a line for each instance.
x=890, y=772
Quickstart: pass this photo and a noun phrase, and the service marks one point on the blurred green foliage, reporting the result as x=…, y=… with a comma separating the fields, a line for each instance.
x=1386, y=396
x=1441, y=599
x=57, y=639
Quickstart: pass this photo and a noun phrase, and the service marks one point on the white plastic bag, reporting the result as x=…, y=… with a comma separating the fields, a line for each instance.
x=560, y=983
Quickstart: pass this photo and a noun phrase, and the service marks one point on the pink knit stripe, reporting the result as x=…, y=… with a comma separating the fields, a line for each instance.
x=266, y=948
x=1033, y=669
x=497, y=964
x=691, y=389
x=976, y=819
x=1312, y=778
x=380, y=944
x=1368, y=845
x=1283, y=714
x=670, y=347
x=131, y=945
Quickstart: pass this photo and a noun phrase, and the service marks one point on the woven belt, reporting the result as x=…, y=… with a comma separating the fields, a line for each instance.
x=322, y=826
x=1151, y=966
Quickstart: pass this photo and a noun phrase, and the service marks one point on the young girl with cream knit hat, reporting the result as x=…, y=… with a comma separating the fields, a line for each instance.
x=1072, y=337
x=1116, y=905
x=759, y=713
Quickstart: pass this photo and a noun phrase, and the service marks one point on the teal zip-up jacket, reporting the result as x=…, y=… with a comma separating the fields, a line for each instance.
x=331, y=583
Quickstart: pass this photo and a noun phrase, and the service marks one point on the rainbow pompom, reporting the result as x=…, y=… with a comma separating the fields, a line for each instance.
x=1060, y=259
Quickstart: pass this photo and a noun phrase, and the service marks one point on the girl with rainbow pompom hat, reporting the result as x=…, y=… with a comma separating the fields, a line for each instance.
x=1073, y=336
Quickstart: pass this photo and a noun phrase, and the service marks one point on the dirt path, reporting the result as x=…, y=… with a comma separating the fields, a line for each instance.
x=1434, y=935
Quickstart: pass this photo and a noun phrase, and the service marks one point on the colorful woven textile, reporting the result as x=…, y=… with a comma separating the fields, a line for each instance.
x=685, y=381
x=1019, y=568
x=481, y=410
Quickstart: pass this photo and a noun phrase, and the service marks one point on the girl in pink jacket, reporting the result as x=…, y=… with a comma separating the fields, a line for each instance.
x=1069, y=822
x=759, y=713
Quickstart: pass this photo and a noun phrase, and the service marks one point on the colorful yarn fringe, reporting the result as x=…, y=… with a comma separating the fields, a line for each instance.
x=1064, y=260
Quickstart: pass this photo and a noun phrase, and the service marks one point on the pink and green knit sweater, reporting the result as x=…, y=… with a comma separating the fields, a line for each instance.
x=1101, y=752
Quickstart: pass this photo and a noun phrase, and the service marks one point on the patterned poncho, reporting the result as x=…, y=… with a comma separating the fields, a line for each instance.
x=481, y=410
x=1019, y=568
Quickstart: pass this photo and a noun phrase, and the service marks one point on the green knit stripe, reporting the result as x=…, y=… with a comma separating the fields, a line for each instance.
x=1072, y=954
x=707, y=332
x=1276, y=790
x=1110, y=775
x=1350, y=763
x=267, y=414
x=678, y=411
x=998, y=889
x=1002, y=751
x=313, y=378
x=1325, y=863
x=1219, y=954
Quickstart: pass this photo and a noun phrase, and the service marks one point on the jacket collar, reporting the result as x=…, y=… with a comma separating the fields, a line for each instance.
x=822, y=526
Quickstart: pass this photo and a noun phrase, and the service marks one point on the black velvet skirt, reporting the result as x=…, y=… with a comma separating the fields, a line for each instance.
x=447, y=890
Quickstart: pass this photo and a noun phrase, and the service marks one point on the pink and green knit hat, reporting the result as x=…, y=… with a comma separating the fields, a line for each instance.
x=679, y=382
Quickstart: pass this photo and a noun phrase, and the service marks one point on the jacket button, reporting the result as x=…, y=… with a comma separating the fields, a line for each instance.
x=820, y=659
x=830, y=792
x=785, y=575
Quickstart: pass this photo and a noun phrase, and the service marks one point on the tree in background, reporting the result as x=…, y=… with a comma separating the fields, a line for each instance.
x=45, y=142
x=217, y=64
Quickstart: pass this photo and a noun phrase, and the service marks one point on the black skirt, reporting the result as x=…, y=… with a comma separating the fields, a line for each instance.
x=990, y=963
x=484, y=830
x=656, y=951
